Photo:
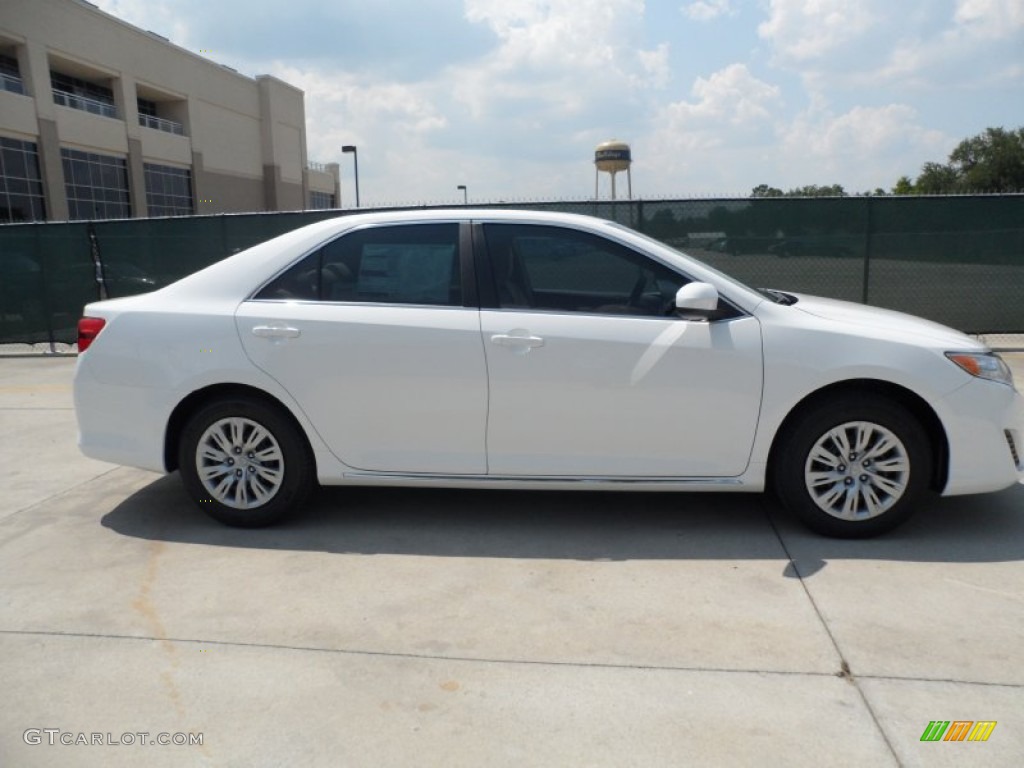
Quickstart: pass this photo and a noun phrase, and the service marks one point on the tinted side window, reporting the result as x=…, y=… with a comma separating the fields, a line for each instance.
x=301, y=281
x=410, y=264
x=540, y=267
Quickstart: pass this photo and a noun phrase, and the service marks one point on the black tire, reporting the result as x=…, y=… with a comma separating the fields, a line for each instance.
x=894, y=494
x=287, y=460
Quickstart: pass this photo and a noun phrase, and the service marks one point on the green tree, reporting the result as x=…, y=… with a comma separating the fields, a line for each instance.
x=938, y=179
x=904, y=186
x=992, y=161
x=811, y=190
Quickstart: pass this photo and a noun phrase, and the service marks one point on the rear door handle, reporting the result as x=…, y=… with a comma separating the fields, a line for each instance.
x=276, y=331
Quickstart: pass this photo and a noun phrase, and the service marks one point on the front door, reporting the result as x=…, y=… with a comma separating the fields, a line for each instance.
x=591, y=374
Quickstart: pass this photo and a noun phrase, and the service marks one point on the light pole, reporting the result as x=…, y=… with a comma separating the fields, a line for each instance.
x=465, y=194
x=355, y=159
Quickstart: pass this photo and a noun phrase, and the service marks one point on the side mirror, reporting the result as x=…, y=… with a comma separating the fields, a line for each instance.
x=699, y=298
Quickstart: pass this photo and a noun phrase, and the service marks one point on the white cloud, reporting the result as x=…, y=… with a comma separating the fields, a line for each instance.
x=511, y=96
x=863, y=148
x=802, y=30
x=990, y=18
x=868, y=44
x=732, y=115
x=153, y=15
x=550, y=42
x=560, y=66
x=654, y=67
x=731, y=95
x=735, y=134
x=398, y=113
x=978, y=46
x=706, y=10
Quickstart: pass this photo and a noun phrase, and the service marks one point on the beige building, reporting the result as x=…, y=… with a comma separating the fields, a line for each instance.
x=101, y=119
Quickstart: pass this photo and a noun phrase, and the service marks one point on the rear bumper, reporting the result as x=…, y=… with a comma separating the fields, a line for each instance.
x=117, y=423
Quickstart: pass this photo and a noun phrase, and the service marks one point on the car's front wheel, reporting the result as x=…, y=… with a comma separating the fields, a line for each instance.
x=853, y=467
x=244, y=463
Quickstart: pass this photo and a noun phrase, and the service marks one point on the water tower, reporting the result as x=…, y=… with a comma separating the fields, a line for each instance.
x=611, y=157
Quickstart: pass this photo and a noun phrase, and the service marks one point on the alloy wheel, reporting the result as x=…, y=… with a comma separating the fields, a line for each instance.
x=857, y=470
x=239, y=463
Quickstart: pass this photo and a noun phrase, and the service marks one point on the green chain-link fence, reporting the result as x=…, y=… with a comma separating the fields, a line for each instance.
x=957, y=260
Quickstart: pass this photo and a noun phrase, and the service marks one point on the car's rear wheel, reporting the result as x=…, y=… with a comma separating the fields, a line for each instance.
x=853, y=467
x=245, y=463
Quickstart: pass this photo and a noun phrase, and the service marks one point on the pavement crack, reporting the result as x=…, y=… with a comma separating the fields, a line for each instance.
x=36, y=408
x=845, y=671
x=58, y=494
x=161, y=639
x=844, y=668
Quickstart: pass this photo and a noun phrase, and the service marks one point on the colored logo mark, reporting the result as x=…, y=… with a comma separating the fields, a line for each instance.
x=958, y=730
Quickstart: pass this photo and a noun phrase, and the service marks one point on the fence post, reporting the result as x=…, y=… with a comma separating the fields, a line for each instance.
x=223, y=236
x=97, y=262
x=868, y=239
x=44, y=294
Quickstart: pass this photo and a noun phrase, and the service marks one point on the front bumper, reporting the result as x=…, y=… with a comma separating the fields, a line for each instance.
x=983, y=419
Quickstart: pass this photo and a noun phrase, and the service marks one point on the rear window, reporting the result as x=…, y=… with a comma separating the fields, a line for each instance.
x=406, y=264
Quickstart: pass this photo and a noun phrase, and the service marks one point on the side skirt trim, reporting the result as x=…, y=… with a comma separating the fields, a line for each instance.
x=540, y=479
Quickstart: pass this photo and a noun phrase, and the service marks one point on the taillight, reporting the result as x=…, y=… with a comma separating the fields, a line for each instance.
x=88, y=329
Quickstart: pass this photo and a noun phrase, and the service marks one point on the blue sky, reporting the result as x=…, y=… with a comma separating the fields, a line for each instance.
x=715, y=96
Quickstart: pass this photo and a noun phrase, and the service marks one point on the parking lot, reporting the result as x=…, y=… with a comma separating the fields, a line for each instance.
x=486, y=628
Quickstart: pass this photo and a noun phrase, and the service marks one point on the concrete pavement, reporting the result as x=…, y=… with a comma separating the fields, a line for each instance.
x=418, y=628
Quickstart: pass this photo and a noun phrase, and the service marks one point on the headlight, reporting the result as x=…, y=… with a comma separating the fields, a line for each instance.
x=984, y=365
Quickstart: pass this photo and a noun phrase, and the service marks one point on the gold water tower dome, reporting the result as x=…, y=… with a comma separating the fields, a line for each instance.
x=612, y=157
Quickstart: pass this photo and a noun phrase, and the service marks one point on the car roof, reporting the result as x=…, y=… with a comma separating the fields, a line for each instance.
x=238, y=276
x=241, y=273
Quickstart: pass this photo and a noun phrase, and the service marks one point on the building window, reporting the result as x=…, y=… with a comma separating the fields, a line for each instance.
x=80, y=94
x=10, y=75
x=96, y=185
x=320, y=201
x=168, y=190
x=21, y=186
x=147, y=107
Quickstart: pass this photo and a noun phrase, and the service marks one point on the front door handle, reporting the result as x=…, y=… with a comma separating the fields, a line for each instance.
x=515, y=340
x=275, y=331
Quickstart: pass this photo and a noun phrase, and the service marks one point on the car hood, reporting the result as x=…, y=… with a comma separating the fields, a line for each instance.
x=894, y=324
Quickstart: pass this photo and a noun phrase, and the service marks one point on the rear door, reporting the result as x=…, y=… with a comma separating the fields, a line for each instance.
x=376, y=339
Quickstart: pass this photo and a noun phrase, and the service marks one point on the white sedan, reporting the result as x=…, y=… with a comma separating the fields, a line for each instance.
x=498, y=349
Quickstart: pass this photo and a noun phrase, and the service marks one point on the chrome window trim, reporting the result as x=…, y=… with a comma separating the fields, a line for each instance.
x=568, y=313
x=391, y=305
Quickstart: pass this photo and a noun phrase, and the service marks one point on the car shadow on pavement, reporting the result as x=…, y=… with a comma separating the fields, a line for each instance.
x=580, y=526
